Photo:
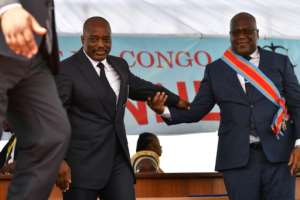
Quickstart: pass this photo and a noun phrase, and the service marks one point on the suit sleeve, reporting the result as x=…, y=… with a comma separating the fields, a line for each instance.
x=140, y=89
x=64, y=87
x=203, y=102
x=292, y=94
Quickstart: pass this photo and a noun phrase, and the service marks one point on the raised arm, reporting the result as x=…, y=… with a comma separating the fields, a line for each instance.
x=140, y=89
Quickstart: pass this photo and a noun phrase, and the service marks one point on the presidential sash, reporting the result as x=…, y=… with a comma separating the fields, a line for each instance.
x=262, y=83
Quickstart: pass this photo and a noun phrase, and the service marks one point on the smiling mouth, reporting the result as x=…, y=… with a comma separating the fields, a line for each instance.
x=242, y=43
x=100, y=52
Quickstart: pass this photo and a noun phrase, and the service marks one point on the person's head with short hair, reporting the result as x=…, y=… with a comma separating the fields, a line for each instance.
x=149, y=141
x=243, y=34
x=96, y=38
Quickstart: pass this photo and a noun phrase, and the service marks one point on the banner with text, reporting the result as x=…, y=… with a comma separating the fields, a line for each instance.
x=177, y=63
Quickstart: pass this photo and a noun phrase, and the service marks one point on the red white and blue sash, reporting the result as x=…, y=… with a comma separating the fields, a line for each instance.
x=261, y=82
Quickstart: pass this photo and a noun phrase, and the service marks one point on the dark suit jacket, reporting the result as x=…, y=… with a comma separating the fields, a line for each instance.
x=221, y=86
x=95, y=132
x=43, y=11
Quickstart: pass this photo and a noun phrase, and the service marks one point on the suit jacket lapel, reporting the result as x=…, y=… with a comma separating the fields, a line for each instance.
x=116, y=65
x=88, y=71
x=264, y=62
x=232, y=78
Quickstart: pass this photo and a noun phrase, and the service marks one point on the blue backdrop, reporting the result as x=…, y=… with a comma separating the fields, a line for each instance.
x=178, y=63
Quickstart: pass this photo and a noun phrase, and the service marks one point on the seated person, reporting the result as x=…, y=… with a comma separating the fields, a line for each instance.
x=148, y=151
x=7, y=154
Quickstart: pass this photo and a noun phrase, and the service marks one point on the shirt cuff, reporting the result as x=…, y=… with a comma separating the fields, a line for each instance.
x=7, y=7
x=297, y=143
x=166, y=113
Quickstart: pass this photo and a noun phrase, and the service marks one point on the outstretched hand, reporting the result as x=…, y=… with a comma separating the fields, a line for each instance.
x=157, y=103
x=18, y=27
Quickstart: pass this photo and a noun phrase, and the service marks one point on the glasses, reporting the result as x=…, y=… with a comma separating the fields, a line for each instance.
x=243, y=31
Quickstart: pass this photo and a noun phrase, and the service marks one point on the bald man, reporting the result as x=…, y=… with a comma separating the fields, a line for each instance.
x=28, y=95
x=259, y=98
x=94, y=87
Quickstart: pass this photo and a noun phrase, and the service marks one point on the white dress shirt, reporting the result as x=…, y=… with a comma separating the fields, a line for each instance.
x=111, y=75
x=255, y=61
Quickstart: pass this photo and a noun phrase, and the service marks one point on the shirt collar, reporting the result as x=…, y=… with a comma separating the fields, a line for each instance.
x=95, y=62
x=255, y=54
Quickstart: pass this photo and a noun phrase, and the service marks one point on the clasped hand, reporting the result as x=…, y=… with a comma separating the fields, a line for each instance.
x=157, y=103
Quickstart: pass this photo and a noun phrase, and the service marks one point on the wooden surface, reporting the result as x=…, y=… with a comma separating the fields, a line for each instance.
x=169, y=186
x=183, y=198
x=179, y=185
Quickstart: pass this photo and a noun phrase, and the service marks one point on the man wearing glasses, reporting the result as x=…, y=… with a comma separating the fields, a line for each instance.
x=259, y=98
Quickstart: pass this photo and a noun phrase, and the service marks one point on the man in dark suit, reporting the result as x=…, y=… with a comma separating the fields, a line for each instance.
x=257, y=161
x=94, y=87
x=28, y=94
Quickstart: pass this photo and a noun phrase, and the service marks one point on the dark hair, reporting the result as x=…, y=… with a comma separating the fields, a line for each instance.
x=242, y=14
x=93, y=19
x=144, y=140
